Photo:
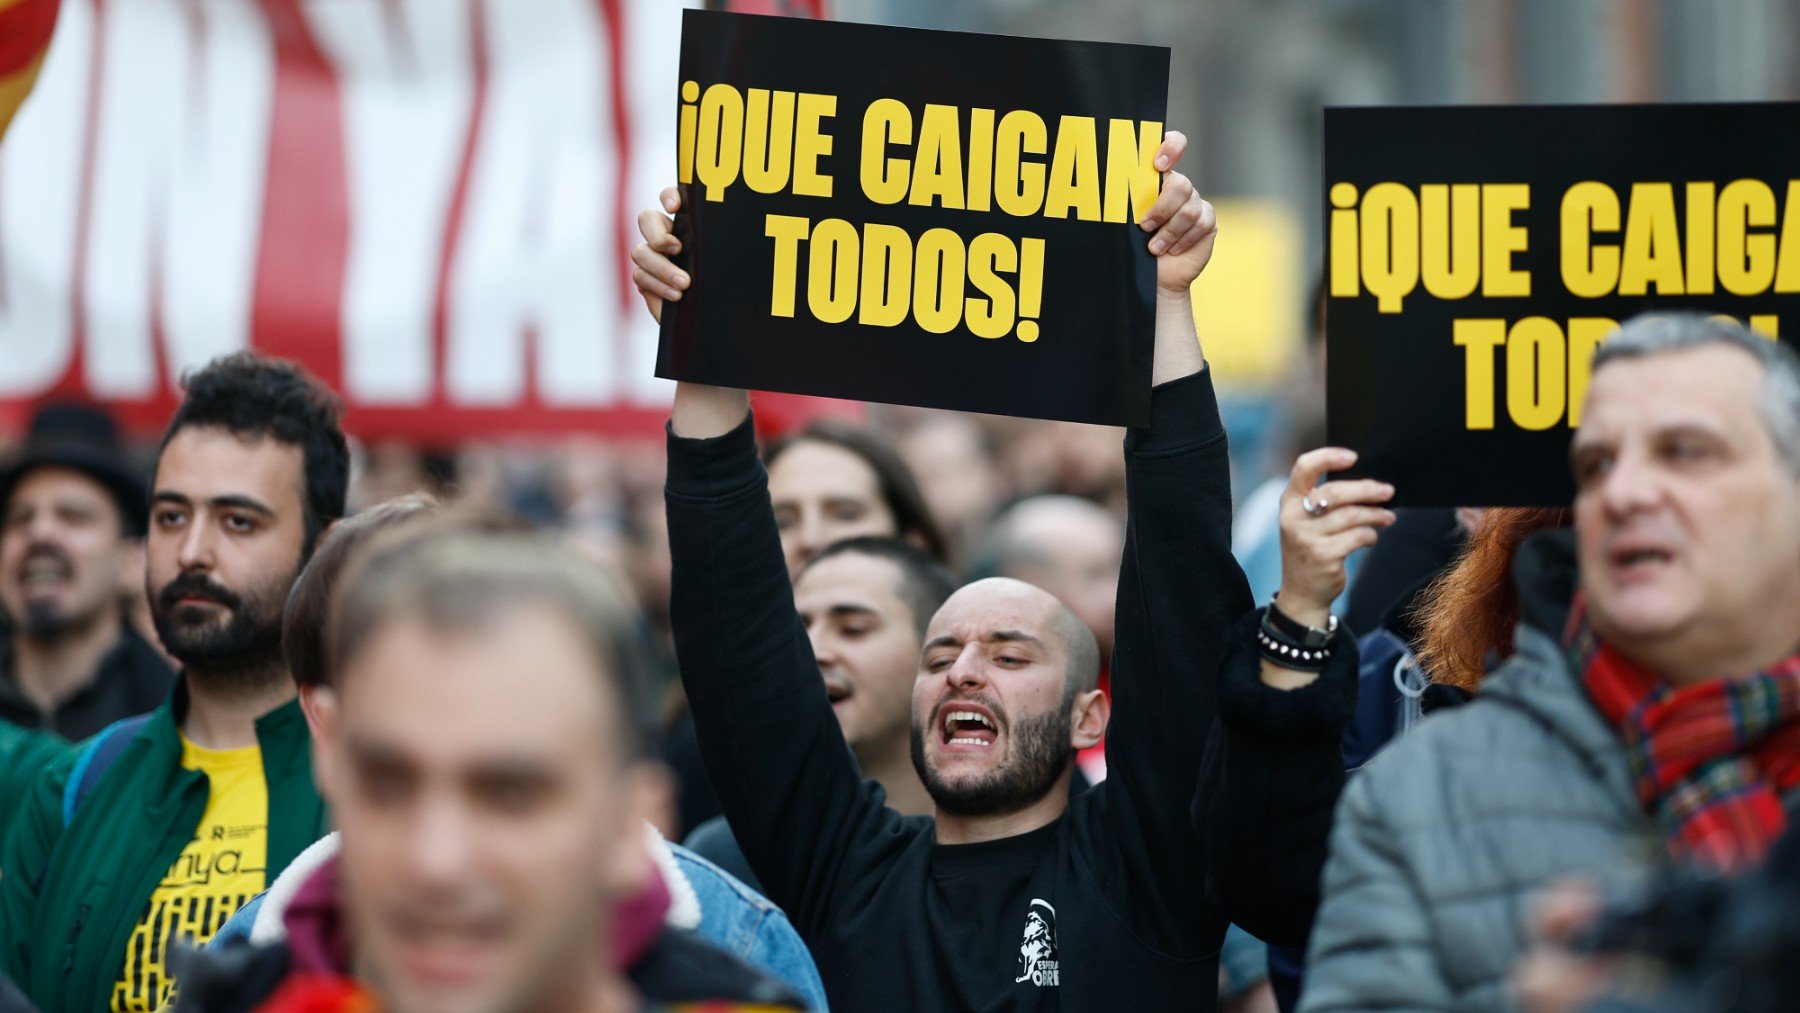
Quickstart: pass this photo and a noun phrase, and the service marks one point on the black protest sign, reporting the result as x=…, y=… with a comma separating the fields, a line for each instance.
x=919, y=217
x=1477, y=257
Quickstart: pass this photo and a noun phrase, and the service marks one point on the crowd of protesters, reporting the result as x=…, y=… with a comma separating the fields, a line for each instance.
x=933, y=712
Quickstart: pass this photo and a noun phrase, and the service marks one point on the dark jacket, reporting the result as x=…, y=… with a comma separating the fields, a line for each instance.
x=71, y=896
x=1273, y=775
x=1390, y=694
x=1105, y=908
x=132, y=679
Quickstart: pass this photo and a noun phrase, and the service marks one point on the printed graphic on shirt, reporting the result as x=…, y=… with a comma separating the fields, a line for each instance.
x=219, y=870
x=1037, y=954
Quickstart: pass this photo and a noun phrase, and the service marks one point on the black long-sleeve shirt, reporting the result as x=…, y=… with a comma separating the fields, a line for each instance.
x=1106, y=907
x=1264, y=804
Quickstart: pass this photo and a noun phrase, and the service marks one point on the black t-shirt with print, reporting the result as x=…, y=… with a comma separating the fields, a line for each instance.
x=1105, y=908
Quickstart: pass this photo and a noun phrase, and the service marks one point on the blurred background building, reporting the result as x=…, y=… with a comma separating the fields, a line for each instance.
x=1251, y=76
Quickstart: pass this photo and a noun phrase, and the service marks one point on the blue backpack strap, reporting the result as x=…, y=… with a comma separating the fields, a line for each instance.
x=95, y=760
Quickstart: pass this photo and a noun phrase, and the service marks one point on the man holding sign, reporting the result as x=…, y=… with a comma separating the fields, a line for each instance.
x=1650, y=713
x=1014, y=896
x=917, y=217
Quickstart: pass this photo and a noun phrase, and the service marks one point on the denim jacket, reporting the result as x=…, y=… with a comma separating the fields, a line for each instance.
x=748, y=925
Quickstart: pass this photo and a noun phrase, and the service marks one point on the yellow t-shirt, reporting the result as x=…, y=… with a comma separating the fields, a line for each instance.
x=221, y=868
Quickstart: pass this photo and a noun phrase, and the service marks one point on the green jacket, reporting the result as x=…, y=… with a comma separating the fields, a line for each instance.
x=70, y=897
x=23, y=756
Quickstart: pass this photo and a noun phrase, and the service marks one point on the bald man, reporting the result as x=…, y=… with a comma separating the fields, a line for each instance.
x=1011, y=896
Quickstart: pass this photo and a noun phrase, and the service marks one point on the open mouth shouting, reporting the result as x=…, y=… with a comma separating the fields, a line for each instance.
x=965, y=726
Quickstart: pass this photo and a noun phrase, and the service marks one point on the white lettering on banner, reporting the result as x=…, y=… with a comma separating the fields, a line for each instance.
x=139, y=221
x=534, y=260
x=407, y=109
x=649, y=82
x=40, y=202
x=179, y=167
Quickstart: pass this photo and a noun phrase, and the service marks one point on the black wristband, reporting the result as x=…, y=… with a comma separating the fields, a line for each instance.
x=1278, y=649
x=1289, y=628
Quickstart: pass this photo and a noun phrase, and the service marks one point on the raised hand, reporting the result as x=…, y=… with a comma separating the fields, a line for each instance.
x=1321, y=525
x=656, y=276
x=1182, y=225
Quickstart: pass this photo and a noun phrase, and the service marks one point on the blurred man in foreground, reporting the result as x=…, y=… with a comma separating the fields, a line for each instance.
x=492, y=812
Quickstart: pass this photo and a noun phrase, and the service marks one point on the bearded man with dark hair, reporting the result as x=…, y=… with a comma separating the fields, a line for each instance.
x=164, y=824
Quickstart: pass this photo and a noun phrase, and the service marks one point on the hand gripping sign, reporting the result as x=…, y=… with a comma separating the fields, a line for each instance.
x=1478, y=256
x=927, y=218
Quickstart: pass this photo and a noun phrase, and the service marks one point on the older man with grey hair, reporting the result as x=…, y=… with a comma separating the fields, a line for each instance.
x=1651, y=712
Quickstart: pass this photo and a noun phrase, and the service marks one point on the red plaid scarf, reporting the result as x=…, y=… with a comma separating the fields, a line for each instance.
x=1711, y=759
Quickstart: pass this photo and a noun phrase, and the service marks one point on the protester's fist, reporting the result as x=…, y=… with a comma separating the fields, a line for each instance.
x=656, y=276
x=1321, y=525
x=1181, y=225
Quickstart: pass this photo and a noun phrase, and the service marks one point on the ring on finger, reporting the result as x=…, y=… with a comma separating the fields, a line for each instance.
x=1314, y=509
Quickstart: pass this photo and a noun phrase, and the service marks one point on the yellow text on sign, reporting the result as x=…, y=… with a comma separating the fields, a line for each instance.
x=1014, y=162
x=881, y=276
x=1639, y=244
x=1449, y=238
x=1546, y=364
x=772, y=139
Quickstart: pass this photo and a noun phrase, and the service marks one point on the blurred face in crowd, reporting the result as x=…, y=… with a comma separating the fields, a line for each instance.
x=1687, y=517
x=993, y=727
x=64, y=558
x=1070, y=548
x=490, y=816
x=227, y=530
x=867, y=644
x=822, y=494
x=957, y=475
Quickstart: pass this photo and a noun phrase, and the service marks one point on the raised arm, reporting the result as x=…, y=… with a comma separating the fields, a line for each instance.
x=700, y=412
x=1183, y=228
x=1264, y=805
x=771, y=745
x=1179, y=591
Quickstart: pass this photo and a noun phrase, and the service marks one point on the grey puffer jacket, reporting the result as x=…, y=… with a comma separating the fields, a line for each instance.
x=1443, y=839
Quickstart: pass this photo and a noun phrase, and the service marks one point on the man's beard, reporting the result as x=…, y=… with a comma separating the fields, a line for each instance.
x=43, y=622
x=1040, y=754
x=242, y=649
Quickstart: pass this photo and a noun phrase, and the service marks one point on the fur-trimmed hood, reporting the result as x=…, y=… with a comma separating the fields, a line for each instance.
x=270, y=924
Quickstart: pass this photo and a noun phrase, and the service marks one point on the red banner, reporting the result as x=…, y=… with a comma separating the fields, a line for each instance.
x=429, y=202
